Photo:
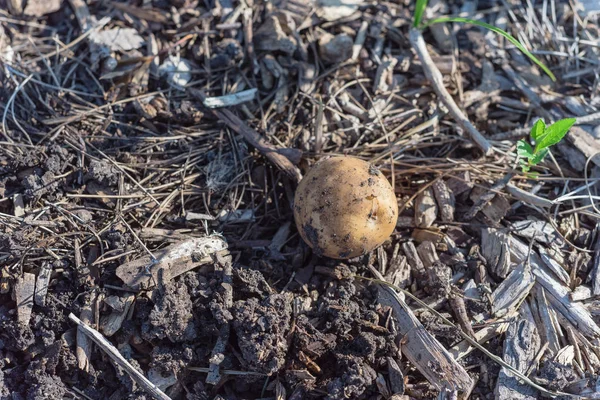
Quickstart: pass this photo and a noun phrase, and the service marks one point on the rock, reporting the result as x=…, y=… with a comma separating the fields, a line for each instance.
x=335, y=49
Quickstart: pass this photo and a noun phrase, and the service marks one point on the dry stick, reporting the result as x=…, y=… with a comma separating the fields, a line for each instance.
x=434, y=76
x=254, y=138
x=113, y=353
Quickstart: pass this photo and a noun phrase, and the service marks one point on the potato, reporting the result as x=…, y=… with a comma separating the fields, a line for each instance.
x=344, y=207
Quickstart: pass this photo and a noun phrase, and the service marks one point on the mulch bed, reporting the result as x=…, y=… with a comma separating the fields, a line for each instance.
x=110, y=158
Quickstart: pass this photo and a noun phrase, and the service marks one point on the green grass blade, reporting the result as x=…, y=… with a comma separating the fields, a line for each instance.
x=419, y=11
x=497, y=30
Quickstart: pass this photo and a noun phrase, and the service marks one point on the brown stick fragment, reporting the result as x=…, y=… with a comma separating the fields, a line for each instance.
x=460, y=311
x=275, y=155
x=114, y=354
x=434, y=76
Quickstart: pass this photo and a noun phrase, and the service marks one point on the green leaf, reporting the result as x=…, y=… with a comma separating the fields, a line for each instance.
x=419, y=11
x=538, y=157
x=497, y=30
x=554, y=133
x=524, y=149
x=537, y=130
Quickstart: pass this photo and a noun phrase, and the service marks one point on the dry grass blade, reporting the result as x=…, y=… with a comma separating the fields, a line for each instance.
x=114, y=354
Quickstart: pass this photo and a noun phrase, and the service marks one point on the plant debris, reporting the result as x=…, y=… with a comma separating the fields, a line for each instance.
x=151, y=152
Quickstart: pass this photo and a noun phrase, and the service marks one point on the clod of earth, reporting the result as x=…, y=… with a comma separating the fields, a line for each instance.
x=344, y=207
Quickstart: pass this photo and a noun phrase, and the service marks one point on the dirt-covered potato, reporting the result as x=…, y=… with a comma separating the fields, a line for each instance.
x=344, y=207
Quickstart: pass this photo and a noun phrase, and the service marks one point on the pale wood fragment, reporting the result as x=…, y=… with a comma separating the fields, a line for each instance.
x=41, y=285
x=512, y=291
x=425, y=209
x=24, y=290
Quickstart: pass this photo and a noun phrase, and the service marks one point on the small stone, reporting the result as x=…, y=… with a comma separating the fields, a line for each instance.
x=335, y=49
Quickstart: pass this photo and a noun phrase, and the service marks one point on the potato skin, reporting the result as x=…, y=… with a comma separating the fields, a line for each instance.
x=344, y=207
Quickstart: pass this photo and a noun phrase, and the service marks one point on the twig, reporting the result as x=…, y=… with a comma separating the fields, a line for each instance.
x=232, y=99
x=113, y=353
x=271, y=152
x=434, y=76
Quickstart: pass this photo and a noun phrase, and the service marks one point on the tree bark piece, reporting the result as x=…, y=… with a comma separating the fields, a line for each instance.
x=445, y=200
x=435, y=77
x=494, y=248
x=520, y=348
x=512, y=290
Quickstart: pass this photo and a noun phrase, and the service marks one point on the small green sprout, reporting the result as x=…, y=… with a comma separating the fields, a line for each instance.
x=544, y=137
x=421, y=5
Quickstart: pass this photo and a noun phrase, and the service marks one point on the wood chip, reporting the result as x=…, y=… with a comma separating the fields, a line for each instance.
x=548, y=327
x=425, y=209
x=18, y=205
x=554, y=266
x=494, y=248
x=41, y=285
x=410, y=251
x=232, y=99
x=583, y=141
x=83, y=351
x=483, y=335
x=558, y=294
x=111, y=323
x=520, y=348
x=512, y=290
x=542, y=231
x=445, y=200
x=428, y=254
x=24, y=290
x=395, y=376
x=420, y=347
x=38, y=8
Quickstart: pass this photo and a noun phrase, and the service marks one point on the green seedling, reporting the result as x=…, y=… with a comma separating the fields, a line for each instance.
x=544, y=137
x=420, y=10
